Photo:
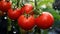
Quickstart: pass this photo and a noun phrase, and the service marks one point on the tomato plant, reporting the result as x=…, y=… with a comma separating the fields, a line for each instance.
x=26, y=23
x=45, y=20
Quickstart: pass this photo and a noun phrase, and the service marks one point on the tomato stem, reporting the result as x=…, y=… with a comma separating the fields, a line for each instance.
x=21, y=3
x=18, y=3
x=36, y=4
x=26, y=15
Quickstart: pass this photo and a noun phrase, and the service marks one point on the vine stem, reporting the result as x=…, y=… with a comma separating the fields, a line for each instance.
x=35, y=4
x=18, y=3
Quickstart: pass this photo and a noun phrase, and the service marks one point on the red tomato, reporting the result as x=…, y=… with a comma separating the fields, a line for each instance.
x=45, y=20
x=26, y=23
x=4, y=6
x=22, y=10
x=13, y=14
x=28, y=8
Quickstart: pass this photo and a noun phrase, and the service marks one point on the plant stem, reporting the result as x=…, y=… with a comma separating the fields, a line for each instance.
x=35, y=4
x=18, y=3
x=21, y=3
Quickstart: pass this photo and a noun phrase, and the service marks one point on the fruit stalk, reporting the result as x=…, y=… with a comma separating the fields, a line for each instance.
x=18, y=3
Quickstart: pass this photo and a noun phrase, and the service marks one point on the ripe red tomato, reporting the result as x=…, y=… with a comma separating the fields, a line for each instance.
x=13, y=14
x=4, y=6
x=22, y=10
x=26, y=23
x=45, y=20
x=28, y=8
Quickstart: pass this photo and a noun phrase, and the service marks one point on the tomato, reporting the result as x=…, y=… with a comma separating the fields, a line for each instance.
x=28, y=8
x=13, y=14
x=4, y=6
x=45, y=20
x=26, y=23
x=22, y=10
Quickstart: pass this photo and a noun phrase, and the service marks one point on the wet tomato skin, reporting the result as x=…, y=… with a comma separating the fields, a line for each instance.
x=26, y=23
x=45, y=20
x=13, y=14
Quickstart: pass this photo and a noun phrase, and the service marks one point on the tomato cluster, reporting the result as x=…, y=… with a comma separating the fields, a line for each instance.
x=43, y=21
